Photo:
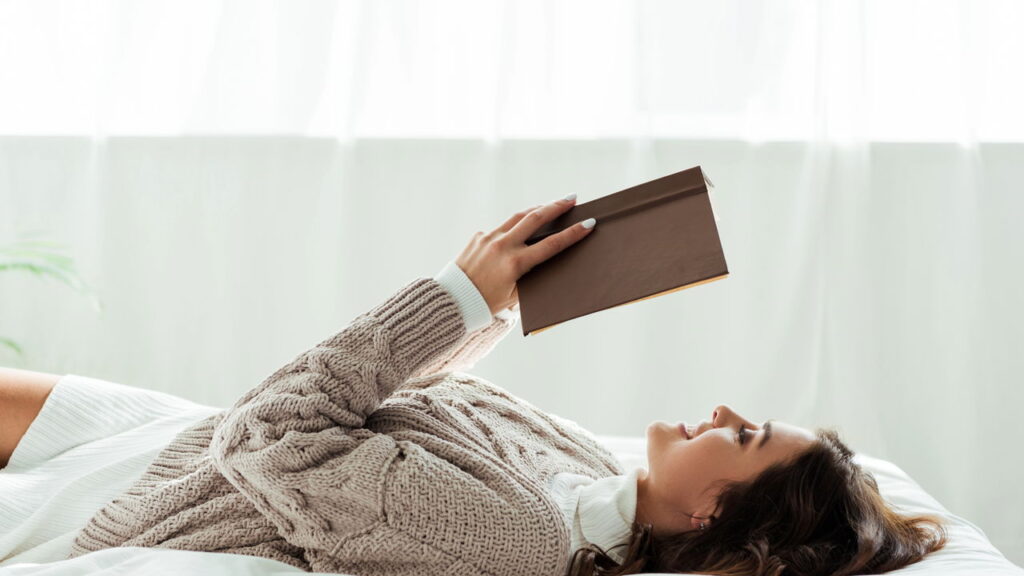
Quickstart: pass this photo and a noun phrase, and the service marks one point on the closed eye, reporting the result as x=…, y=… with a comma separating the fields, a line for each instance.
x=742, y=434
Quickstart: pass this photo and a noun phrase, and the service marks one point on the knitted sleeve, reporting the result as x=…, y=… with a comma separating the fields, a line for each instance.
x=295, y=444
x=474, y=346
x=359, y=501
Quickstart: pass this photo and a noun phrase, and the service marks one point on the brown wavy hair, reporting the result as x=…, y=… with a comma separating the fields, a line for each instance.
x=818, y=513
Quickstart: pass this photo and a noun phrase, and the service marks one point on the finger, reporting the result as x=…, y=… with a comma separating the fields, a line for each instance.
x=534, y=219
x=554, y=244
x=515, y=218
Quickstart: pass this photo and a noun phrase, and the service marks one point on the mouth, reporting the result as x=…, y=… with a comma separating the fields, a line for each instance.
x=683, y=430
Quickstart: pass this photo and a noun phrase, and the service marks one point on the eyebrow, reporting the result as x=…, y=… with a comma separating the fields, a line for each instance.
x=767, y=426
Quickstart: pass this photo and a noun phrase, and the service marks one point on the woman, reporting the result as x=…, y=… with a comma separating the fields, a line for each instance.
x=374, y=453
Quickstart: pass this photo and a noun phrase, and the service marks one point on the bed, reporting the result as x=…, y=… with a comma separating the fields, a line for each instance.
x=968, y=550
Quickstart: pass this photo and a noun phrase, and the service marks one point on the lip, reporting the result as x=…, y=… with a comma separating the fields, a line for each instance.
x=683, y=430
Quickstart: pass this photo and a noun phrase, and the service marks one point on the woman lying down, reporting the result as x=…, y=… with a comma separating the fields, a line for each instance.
x=374, y=454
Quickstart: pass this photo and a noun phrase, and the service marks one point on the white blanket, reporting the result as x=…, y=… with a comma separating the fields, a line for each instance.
x=968, y=550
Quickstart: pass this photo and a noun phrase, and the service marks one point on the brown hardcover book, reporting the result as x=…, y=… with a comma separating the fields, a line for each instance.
x=650, y=240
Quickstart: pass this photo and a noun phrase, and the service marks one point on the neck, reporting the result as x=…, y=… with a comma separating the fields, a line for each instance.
x=641, y=499
x=661, y=519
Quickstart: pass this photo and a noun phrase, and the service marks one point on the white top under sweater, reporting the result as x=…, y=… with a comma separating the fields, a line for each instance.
x=90, y=441
x=93, y=439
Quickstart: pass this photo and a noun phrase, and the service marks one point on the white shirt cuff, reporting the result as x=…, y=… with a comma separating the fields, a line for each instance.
x=507, y=314
x=475, y=311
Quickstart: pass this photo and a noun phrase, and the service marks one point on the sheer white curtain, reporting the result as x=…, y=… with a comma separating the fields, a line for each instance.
x=240, y=179
x=791, y=70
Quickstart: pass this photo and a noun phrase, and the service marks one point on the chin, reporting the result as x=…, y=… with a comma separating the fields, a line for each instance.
x=654, y=443
x=657, y=434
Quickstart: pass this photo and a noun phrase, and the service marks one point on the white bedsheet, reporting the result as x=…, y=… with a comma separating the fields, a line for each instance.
x=968, y=550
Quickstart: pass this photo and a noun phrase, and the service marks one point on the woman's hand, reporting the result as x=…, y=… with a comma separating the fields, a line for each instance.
x=496, y=260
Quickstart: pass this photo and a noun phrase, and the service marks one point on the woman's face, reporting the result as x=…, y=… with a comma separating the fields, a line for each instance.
x=687, y=464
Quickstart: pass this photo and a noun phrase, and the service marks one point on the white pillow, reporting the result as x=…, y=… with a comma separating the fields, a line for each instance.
x=967, y=552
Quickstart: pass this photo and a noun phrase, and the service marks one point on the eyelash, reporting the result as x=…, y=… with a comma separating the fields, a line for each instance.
x=742, y=435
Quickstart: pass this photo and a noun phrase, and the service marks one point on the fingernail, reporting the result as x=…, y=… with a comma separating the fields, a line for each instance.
x=569, y=197
x=589, y=223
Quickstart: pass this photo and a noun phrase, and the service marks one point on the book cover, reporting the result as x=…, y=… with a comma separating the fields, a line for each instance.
x=651, y=239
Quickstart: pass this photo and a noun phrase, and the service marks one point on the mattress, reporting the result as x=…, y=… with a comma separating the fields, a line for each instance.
x=968, y=551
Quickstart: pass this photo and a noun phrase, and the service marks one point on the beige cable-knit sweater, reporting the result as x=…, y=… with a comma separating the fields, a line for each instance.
x=369, y=454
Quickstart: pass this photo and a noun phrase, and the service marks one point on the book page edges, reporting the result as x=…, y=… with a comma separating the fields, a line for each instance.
x=662, y=293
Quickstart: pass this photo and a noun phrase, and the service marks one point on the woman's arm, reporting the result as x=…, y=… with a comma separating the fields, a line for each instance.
x=296, y=446
x=22, y=395
x=485, y=329
x=474, y=346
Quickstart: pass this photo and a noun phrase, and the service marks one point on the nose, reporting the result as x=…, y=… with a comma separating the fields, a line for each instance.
x=721, y=416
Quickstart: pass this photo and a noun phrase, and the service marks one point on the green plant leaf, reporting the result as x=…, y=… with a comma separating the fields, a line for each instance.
x=43, y=258
x=11, y=344
x=23, y=252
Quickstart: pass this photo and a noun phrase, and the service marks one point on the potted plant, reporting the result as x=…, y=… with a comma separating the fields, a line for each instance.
x=35, y=255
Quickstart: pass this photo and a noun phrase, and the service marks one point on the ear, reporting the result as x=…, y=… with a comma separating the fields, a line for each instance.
x=696, y=519
x=705, y=513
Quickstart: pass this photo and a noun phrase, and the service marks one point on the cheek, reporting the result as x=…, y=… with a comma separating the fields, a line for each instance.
x=696, y=462
x=681, y=476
